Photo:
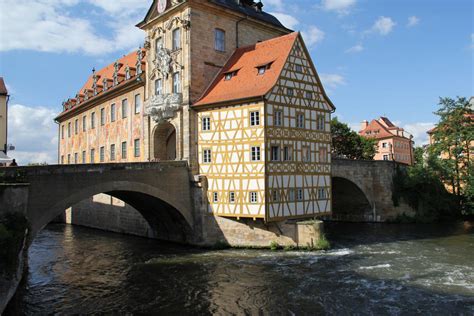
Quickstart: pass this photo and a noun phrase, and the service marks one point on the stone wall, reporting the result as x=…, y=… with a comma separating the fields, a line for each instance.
x=107, y=213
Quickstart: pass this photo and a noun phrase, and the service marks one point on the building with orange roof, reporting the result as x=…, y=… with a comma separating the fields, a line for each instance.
x=393, y=142
x=226, y=87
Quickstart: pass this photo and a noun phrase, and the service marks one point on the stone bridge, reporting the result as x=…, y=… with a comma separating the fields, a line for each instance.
x=362, y=191
x=161, y=192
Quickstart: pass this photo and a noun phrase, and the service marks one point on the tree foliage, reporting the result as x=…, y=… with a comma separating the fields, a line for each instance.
x=452, y=145
x=346, y=143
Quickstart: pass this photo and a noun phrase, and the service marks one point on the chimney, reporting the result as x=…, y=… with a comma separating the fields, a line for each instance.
x=364, y=125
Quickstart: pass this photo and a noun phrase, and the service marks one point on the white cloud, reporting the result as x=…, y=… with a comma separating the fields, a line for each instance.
x=332, y=81
x=418, y=130
x=34, y=134
x=339, y=6
x=48, y=26
x=355, y=49
x=313, y=35
x=383, y=25
x=277, y=4
x=287, y=20
x=412, y=21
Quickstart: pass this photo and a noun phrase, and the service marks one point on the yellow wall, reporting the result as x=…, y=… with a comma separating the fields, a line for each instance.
x=122, y=130
x=230, y=140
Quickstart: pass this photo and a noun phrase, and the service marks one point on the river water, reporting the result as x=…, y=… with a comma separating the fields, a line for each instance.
x=377, y=269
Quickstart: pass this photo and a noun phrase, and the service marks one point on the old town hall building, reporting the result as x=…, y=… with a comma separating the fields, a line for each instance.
x=225, y=86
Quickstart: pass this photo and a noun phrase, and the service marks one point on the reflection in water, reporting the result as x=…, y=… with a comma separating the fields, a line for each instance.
x=378, y=269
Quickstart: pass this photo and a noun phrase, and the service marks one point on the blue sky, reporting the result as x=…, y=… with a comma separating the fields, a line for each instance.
x=375, y=57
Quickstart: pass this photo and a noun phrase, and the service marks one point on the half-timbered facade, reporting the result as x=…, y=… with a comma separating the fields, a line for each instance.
x=264, y=134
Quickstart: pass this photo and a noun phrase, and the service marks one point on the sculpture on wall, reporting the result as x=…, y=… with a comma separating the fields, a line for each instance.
x=164, y=106
x=163, y=61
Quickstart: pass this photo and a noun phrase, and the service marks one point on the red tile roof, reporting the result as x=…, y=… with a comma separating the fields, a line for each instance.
x=107, y=72
x=245, y=60
x=382, y=128
x=3, y=88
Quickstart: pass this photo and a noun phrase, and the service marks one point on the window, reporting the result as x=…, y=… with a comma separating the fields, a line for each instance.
x=287, y=153
x=253, y=197
x=278, y=118
x=76, y=126
x=112, y=152
x=206, y=123
x=93, y=120
x=254, y=118
x=231, y=197
x=320, y=123
x=384, y=145
x=69, y=159
x=298, y=68
x=69, y=129
x=102, y=154
x=83, y=156
x=385, y=157
x=124, y=150
x=323, y=154
x=92, y=157
x=62, y=160
x=84, y=123
x=290, y=92
x=275, y=196
x=62, y=132
x=136, y=148
x=291, y=195
x=102, y=116
x=309, y=95
x=124, y=108
x=176, y=83
x=206, y=156
x=322, y=194
x=306, y=152
x=300, y=121
x=76, y=158
x=158, y=87
x=176, y=39
x=112, y=112
x=275, y=153
x=215, y=197
x=219, y=40
x=261, y=70
x=299, y=195
x=229, y=75
x=255, y=153
x=138, y=103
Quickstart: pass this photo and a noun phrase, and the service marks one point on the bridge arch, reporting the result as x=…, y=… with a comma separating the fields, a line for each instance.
x=167, y=216
x=350, y=202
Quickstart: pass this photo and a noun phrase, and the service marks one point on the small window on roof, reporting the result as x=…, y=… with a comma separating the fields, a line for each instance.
x=263, y=68
x=230, y=74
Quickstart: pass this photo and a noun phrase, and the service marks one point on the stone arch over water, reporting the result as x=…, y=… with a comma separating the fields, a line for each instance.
x=350, y=203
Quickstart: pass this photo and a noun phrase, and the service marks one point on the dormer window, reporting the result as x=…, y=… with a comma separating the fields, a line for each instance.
x=229, y=75
x=263, y=68
x=127, y=73
x=104, y=83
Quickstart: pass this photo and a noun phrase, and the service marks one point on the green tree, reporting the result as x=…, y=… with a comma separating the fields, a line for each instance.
x=349, y=144
x=452, y=140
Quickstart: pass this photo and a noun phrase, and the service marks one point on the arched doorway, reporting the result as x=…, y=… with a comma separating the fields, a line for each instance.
x=164, y=142
x=349, y=202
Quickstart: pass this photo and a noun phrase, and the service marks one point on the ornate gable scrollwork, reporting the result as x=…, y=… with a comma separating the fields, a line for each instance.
x=164, y=106
x=186, y=24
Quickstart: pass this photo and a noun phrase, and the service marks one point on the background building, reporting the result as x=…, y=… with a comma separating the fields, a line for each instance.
x=393, y=142
x=3, y=116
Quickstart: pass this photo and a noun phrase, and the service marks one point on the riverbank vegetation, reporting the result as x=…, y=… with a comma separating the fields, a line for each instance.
x=440, y=186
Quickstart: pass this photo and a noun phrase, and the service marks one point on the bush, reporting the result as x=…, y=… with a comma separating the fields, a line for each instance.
x=274, y=245
x=322, y=243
